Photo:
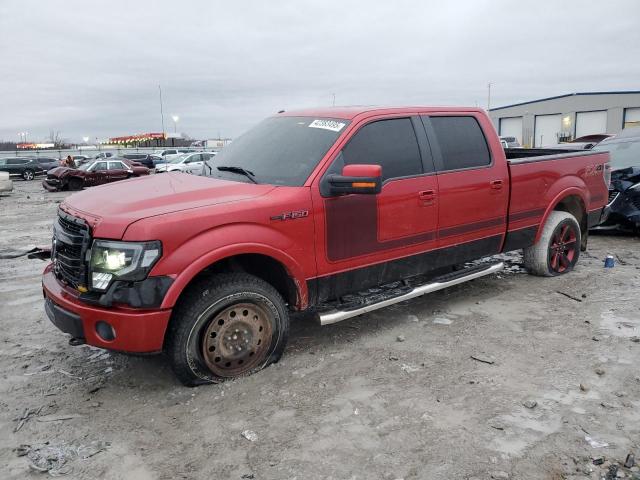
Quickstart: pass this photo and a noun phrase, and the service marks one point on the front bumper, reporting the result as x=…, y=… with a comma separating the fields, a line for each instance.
x=621, y=214
x=136, y=330
x=52, y=186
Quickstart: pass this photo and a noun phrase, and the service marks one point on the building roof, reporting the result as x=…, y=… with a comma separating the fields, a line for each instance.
x=567, y=95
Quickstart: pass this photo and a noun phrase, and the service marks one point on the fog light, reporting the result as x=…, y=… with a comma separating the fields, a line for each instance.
x=105, y=331
x=100, y=281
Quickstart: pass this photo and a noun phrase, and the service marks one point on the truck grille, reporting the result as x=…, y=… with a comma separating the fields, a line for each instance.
x=71, y=238
x=612, y=196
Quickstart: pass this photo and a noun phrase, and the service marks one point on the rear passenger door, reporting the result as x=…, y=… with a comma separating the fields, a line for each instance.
x=473, y=187
x=117, y=171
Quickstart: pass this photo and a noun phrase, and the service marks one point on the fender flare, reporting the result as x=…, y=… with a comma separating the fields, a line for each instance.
x=291, y=266
x=567, y=192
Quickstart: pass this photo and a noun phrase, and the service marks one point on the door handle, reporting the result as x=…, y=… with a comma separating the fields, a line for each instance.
x=496, y=184
x=427, y=194
x=427, y=197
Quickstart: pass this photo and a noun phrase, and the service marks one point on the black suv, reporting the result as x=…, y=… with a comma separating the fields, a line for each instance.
x=47, y=163
x=25, y=167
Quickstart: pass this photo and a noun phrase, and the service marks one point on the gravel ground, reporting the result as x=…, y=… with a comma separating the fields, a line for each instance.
x=404, y=392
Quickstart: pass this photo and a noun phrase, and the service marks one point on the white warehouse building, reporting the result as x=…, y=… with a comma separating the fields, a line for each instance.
x=548, y=121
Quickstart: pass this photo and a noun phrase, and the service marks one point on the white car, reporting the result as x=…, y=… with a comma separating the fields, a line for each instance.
x=6, y=185
x=192, y=163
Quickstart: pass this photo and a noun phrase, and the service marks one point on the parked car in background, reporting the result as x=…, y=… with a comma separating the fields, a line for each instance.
x=594, y=138
x=95, y=172
x=6, y=185
x=572, y=145
x=80, y=159
x=623, y=206
x=170, y=153
x=47, y=163
x=148, y=160
x=25, y=167
x=512, y=142
x=104, y=155
x=186, y=163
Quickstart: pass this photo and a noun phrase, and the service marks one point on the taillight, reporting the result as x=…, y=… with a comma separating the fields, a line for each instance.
x=606, y=173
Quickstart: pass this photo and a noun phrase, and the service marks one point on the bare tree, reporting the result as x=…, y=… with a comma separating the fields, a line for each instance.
x=56, y=139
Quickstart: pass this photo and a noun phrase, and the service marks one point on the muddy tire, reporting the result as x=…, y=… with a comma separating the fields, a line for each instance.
x=75, y=184
x=28, y=174
x=558, y=249
x=227, y=326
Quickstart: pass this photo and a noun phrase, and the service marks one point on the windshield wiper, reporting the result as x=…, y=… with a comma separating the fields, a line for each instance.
x=242, y=171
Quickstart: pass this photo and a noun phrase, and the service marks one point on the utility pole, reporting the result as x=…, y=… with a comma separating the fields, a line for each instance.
x=161, y=113
x=334, y=99
x=488, y=96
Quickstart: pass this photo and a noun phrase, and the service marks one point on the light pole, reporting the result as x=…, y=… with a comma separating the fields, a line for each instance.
x=175, y=119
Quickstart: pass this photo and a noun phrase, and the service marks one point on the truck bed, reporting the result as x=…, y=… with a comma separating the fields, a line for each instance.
x=540, y=176
x=534, y=154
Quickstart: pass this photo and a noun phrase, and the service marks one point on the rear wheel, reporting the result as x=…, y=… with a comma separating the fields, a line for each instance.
x=558, y=249
x=228, y=326
x=28, y=174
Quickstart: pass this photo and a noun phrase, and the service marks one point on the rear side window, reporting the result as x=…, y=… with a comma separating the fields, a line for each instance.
x=391, y=144
x=461, y=141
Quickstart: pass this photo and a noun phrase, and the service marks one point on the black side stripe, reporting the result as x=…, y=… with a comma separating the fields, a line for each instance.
x=513, y=217
x=470, y=227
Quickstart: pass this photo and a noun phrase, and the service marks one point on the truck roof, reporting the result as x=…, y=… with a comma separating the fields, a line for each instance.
x=350, y=112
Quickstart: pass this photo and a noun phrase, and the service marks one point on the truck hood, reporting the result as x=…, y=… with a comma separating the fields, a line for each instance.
x=110, y=209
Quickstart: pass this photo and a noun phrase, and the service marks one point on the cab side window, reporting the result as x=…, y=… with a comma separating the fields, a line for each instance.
x=391, y=144
x=461, y=141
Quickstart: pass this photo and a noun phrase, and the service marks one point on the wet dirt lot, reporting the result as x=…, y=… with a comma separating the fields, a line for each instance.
x=392, y=394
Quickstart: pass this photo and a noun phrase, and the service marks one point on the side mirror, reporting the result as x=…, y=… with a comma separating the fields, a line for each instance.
x=356, y=179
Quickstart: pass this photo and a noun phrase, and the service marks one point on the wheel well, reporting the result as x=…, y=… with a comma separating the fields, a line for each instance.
x=262, y=266
x=573, y=204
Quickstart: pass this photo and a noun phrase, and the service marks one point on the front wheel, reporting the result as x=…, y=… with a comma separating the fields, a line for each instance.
x=75, y=184
x=558, y=249
x=28, y=174
x=228, y=326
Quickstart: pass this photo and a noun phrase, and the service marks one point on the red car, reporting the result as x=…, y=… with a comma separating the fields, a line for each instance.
x=92, y=173
x=309, y=210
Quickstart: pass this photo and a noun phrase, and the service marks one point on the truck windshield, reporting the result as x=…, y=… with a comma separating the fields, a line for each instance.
x=278, y=151
x=624, y=154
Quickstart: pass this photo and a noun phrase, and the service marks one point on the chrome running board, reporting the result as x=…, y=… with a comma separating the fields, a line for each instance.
x=334, y=316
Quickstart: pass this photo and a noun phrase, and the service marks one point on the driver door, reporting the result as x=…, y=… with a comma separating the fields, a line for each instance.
x=193, y=164
x=97, y=175
x=368, y=239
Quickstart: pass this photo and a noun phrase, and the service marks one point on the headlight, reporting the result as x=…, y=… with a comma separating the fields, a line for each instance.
x=129, y=261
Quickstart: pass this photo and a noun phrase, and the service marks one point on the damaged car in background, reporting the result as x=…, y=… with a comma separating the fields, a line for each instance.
x=96, y=172
x=622, y=212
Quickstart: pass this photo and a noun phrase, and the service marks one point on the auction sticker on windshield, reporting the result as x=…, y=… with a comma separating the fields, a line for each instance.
x=327, y=125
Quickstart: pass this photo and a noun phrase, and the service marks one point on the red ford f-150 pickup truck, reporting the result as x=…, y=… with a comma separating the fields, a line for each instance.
x=341, y=210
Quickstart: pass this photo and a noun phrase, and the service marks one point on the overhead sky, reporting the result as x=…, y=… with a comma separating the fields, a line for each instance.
x=92, y=68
